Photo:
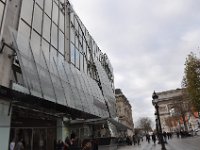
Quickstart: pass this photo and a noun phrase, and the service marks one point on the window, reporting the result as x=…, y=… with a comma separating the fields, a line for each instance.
x=60, y=58
x=76, y=24
x=72, y=35
x=85, y=65
x=27, y=10
x=76, y=40
x=54, y=33
x=81, y=62
x=1, y=13
x=72, y=53
x=46, y=28
x=72, y=18
x=61, y=42
x=53, y=55
x=61, y=21
x=80, y=37
x=55, y=13
x=88, y=54
x=84, y=46
x=45, y=48
x=37, y=19
x=77, y=59
x=35, y=44
x=24, y=29
x=48, y=7
x=40, y=3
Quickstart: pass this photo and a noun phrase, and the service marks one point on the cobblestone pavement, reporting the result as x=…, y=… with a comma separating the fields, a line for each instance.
x=189, y=143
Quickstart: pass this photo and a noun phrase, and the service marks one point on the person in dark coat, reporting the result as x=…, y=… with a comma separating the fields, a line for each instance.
x=86, y=145
x=134, y=140
x=95, y=144
x=20, y=145
x=154, y=138
x=164, y=136
x=148, y=138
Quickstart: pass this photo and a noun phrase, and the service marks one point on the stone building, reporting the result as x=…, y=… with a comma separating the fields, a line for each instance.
x=124, y=111
x=51, y=72
x=172, y=104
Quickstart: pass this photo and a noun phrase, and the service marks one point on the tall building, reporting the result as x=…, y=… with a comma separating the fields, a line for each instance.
x=51, y=71
x=124, y=111
x=174, y=108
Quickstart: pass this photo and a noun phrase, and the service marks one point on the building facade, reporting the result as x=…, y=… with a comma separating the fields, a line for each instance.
x=124, y=111
x=174, y=110
x=51, y=70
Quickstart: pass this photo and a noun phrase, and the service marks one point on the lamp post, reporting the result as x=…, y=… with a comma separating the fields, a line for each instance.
x=159, y=129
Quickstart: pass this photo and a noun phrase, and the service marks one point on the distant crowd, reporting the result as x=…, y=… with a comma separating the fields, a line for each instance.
x=165, y=136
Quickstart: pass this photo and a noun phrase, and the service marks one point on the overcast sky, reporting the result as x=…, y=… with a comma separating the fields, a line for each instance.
x=147, y=42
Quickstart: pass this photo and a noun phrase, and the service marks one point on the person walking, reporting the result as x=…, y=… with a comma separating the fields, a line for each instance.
x=12, y=144
x=95, y=144
x=86, y=145
x=154, y=138
x=148, y=138
x=20, y=145
x=137, y=137
x=177, y=134
x=164, y=136
x=134, y=139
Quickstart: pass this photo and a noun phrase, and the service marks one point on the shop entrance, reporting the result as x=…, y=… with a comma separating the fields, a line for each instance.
x=34, y=138
x=38, y=131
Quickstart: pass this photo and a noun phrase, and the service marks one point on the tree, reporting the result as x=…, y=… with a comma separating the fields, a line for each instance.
x=145, y=123
x=191, y=79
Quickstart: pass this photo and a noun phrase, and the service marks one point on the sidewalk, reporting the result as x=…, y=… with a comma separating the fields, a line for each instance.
x=189, y=143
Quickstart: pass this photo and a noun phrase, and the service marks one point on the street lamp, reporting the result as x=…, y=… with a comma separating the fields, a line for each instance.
x=158, y=124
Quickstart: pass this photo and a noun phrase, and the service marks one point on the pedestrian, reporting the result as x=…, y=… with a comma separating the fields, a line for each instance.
x=12, y=144
x=154, y=138
x=67, y=143
x=95, y=144
x=137, y=139
x=86, y=145
x=177, y=134
x=20, y=145
x=128, y=140
x=148, y=138
x=164, y=136
x=134, y=140
x=59, y=145
x=168, y=135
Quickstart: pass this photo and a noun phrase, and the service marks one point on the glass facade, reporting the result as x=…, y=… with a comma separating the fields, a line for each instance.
x=80, y=82
x=2, y=9
x=44, y=21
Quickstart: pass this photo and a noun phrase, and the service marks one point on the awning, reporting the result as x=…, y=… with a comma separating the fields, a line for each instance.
x=27, y=101
x=118, y=125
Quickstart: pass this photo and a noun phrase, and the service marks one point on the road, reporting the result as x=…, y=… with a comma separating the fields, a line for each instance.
x=189, y=143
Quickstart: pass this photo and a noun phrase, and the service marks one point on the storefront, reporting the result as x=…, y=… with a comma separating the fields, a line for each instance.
x=104, y=130
x=37, y=130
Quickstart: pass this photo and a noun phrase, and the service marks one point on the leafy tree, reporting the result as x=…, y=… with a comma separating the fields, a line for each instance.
x=145, y=123
x=191, y=79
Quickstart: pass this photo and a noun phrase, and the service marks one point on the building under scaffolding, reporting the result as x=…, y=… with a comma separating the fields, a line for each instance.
x=50, y=70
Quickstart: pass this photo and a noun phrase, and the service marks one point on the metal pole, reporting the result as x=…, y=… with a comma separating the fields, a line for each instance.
x=160, y=129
